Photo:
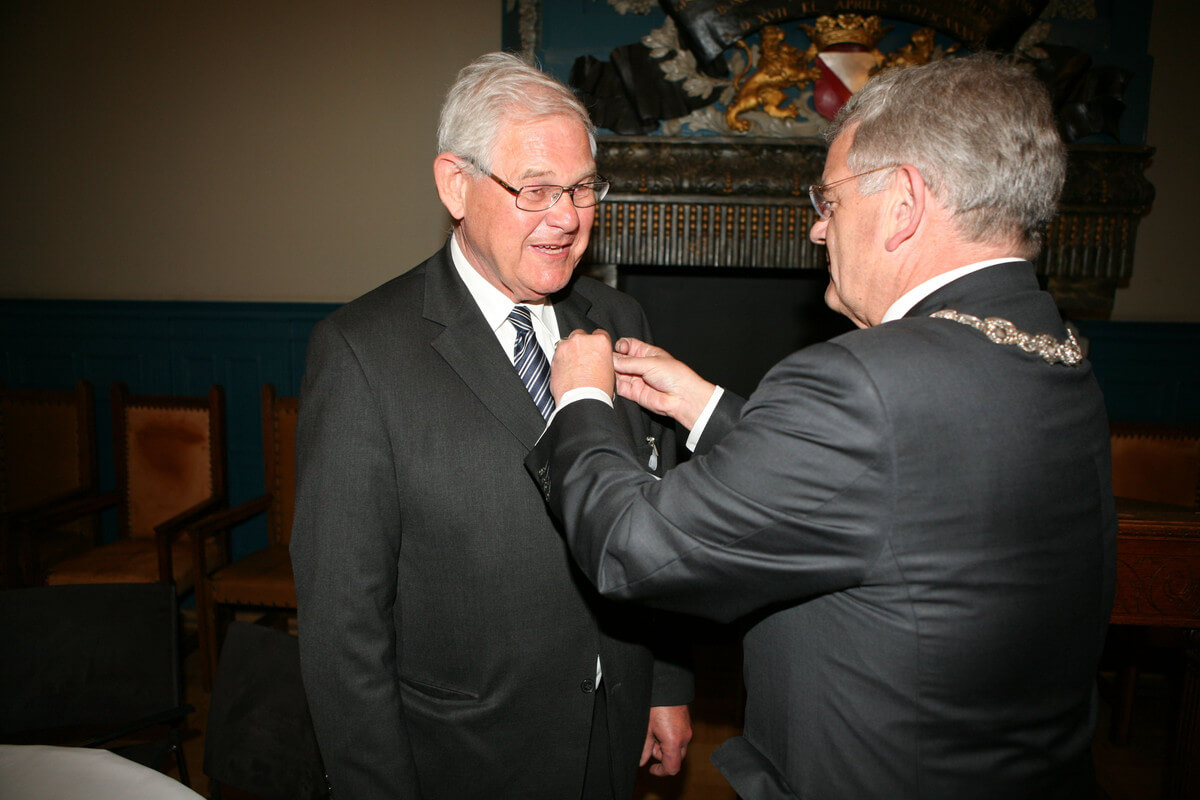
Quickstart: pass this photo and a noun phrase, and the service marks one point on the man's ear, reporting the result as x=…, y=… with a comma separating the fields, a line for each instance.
x=452, y=177
x=907, y=207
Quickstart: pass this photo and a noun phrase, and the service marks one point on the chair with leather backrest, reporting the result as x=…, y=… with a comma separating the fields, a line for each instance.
x=263, y=579
x=169, y=462
x=259, y=736
x=47, y=456
x=1156, y=463
x=94, y=665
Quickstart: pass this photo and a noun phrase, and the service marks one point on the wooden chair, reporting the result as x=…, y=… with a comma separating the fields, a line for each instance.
x=47, y=456
x=1157, y=463
x=94, y=666
x=262, y=579
x=169, y=458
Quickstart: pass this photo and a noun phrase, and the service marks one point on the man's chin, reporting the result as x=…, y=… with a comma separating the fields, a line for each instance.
x=834, y=300
x=835, y=303
x=554, y=281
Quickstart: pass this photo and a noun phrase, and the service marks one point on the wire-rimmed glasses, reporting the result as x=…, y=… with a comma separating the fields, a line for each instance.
x=543, y=196
x=816, y=192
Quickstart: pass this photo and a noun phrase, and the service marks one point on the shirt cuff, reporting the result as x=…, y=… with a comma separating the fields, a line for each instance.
x=584, y=393
x=571, y=395
x=698, y=429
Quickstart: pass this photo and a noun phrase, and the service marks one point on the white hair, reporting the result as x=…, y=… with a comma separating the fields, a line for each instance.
x=495, y=89
x=980, y=130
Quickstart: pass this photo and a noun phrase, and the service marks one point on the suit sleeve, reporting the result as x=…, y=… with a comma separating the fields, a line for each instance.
x=724, y=417
x=345, y=544
x=785, y=505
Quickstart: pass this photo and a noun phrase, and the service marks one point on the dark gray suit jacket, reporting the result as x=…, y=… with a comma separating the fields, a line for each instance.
x=448, y=644
x=916, y=525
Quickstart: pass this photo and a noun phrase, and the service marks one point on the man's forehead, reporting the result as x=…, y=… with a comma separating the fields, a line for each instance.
x=839, y=150
x=535, y=172
x=556, y=147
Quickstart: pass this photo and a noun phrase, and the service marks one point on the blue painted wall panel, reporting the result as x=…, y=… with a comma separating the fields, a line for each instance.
x=1149, y=371
x=166, y=348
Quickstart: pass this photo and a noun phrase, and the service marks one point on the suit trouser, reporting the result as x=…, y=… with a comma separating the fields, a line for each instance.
x=597, y=780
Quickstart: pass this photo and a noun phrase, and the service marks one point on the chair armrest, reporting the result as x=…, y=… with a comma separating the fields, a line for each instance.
x=220, y=520
x=16, y=516
x=168, y=529
x=164, y=532
x=64, y=508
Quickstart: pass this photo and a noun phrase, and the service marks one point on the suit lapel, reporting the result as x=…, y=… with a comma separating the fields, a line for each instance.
x=471, y=350
x=571, y=309
x=574, y=311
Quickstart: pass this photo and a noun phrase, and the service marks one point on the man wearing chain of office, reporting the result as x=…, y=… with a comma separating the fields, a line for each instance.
x=913, y=520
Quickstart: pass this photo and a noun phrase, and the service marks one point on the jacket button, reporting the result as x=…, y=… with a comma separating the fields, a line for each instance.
x=588, y=686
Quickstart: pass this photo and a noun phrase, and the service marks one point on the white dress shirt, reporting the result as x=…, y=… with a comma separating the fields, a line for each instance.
x=919, y=292
x=496, y=308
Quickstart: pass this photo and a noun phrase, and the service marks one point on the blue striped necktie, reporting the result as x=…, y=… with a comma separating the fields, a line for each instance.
x=531, y=362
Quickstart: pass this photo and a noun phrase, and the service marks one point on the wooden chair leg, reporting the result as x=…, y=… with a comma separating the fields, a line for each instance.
x=219, y=623
x=1183, y=763
x=205, y=634
x=1132, y=643
x=9, y=567
x=180, y=760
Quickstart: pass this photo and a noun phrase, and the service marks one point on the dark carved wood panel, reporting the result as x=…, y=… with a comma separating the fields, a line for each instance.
x=1158, y=583
x=1158, y=567
x=743, y=202
x=705, y=232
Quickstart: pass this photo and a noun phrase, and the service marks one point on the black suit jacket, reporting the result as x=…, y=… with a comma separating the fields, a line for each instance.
x=916, y=525
x=448, y=644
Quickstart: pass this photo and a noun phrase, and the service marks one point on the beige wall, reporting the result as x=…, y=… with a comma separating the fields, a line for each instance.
x=280, y=150
x=1166, y=272
x=224, y=149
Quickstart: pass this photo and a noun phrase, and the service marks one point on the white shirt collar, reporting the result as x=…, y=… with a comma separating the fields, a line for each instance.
x=495, y=305
x=919, y=292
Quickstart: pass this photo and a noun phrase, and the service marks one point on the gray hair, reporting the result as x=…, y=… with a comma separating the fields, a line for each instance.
x=494, y=89
x=980, y=130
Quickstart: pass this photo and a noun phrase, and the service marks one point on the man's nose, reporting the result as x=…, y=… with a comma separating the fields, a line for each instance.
x=564, y=214
x=817, y=233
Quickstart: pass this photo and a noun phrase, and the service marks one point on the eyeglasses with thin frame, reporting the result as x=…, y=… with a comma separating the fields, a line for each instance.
x=816, y=192
x=541, y=197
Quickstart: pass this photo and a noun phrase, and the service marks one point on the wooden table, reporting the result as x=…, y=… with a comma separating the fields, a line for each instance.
x=1158, y=584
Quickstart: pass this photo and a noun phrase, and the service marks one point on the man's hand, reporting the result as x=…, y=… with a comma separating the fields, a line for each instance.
x=652, y=378
x=667, y=739
x=582, y=359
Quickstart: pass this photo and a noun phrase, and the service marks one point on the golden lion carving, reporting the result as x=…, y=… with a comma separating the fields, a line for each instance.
x=780, y=66
x=920, y=50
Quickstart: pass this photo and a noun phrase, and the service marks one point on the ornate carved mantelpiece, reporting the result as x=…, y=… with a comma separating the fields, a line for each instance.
x=742, y=202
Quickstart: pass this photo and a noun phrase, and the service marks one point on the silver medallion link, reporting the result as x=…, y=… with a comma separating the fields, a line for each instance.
x=1001, y=331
